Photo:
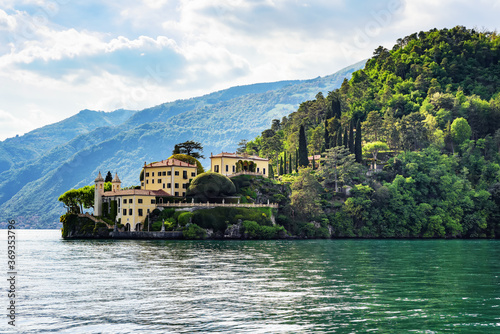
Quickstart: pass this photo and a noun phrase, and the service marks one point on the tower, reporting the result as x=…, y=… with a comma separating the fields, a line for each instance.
x=99, y=191
x=116, y=183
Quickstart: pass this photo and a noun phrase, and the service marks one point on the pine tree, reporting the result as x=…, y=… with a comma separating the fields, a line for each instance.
x=351, y=137
x=358, y=150
x=303, y=160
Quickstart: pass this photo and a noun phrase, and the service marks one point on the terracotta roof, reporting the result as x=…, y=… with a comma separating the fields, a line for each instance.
x=238, y=156
x=170, y=162
x=141, y=192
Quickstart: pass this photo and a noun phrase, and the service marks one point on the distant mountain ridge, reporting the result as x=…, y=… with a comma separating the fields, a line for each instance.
x=71, y=152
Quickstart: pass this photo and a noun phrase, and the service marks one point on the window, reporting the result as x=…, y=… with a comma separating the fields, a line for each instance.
x=130, y=201
x=159, y=180
x=258, y=170
x=183, y=194
x=147, y=174
x=164, y=186
x=153, y=201
x=169, y=173
x=147, y=181
x=142, y=184
x=169, y=185
x=124, y=201
x=177, y=185
x=185, y=174
x=193, y=174
x=176, y=173
x=130, y=212
x=227, y=168
x=139, y=212
x=264, y=171
x=164, y=173
x=152, y=180
x=216, y=168
x=185, y=185
x=153, y=174
x=234, y=168
x=124, y=212
x=177, y=193
x=139, y=201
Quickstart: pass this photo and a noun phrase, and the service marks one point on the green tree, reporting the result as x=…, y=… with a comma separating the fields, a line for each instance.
x=338, y=166
x=358, y=150
x=460, y=131
x=210, y=185
x=374, y=148
x=189, y=148
x=305, y=195
x=351, y=136
x=242, y=146
x=109, y=177
x=303, y=160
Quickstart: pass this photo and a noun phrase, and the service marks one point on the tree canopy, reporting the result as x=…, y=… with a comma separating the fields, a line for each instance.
x=189, y=148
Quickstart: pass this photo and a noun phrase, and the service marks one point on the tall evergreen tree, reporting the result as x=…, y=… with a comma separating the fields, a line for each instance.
x=271, y=171
x=346, y=139
x=296, y=160
x=339, y=137
x=303, y=161
x=313, y=163
x=358, y=149
x=109, y=177
x=351, y=136
x=281, y=166
x=327, y=136
x=285, y=165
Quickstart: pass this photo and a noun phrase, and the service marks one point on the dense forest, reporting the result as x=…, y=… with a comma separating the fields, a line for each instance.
x=409, y=147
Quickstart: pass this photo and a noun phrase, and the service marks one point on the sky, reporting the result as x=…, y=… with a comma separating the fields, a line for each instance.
x=61, y=56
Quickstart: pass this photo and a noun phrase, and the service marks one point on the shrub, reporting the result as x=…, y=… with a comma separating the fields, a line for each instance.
x=210, y=185
x=194, y=232
x=184, y=218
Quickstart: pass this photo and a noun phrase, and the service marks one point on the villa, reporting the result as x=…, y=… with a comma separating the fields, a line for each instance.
x=159, y=181
x=230, y=164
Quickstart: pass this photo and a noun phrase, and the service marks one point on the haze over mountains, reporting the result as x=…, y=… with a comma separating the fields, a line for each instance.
x=39, y=166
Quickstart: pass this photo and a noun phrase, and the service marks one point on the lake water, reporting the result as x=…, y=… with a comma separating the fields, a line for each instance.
x=320, y=286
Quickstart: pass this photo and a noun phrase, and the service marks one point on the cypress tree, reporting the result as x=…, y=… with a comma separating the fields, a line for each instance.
x=351, y=137
x=339, y=137
x=303, y=161
x=358, y=152
x=285, y=164
x=296, y=160
x=271, y=171
x=281, y=166
x=327, y=136
x=314, y=163
x=346, y=138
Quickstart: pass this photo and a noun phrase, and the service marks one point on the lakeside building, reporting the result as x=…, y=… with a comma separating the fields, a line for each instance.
x=229, y=164
x=159, y=181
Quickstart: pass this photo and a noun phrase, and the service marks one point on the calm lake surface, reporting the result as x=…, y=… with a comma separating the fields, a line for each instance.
x=310, y=286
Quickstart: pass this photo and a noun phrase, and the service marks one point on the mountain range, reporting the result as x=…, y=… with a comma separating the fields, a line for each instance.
x=37, y=167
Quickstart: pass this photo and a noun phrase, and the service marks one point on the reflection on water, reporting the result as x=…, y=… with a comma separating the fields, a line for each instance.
x=341, y=286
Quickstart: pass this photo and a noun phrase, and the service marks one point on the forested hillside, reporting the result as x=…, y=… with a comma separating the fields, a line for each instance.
x=410, y=145
x=29, y=188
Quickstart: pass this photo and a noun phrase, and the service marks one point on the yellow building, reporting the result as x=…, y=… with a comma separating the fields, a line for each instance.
x=231, y=163
x=171, y=175
x=132, y=205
